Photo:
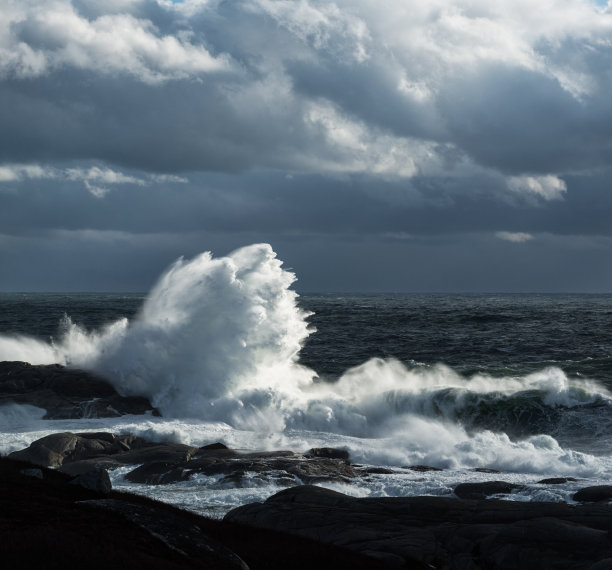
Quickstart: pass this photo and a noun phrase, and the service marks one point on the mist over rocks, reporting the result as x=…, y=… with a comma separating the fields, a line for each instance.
x=65, y=393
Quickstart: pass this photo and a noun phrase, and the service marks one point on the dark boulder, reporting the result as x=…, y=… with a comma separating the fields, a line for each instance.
x=485, y=489
x=594, y=494
x=99, y=449
x=158, y=473
x=441, y=532
x=49, y=451
x=95, y=480
x=65, y=393
x=32, y=473
x=486, y=470
x=422, y=468
x=49, y=523
x=377, y=471
x=214, y=447
x=556, y=481
x=328, y=452
x=282, y=467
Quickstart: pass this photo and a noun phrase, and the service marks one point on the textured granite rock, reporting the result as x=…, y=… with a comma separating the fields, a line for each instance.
x=46, y=522
x=163, y=463
x=445, y=533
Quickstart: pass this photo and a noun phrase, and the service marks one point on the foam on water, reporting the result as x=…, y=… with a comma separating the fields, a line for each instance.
x=216, y=347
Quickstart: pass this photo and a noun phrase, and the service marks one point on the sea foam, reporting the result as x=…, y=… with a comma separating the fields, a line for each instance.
x=218, y=340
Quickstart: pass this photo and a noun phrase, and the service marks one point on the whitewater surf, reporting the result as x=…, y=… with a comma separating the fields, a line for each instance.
x=227, y=351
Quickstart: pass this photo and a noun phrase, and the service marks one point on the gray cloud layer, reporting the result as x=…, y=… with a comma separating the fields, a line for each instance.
x=443, y=130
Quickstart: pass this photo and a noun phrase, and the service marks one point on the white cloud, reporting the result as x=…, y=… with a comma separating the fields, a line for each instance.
x=324, y=25
x=38, y=38
x=362, y=150
x=97, y=180
x=546, y=187
x=514, y=237
x=102, y=175
x=17, y=172
x=406, y=76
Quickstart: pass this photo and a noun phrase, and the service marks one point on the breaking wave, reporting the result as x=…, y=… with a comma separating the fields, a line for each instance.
x=218, y=339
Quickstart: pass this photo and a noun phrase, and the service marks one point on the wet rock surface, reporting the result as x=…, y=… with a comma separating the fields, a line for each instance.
x=46, y=522
x=442, y=532
x=594, y=494
x=466, y=530
x=160, y=464
x=98, y=449
x=484, y=489
x=65, y=393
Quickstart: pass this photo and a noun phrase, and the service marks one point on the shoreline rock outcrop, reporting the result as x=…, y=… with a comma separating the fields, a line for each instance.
x=164, y=463
x=442, y=532
x=463, y=531
x=66, y=393
x=46, y=522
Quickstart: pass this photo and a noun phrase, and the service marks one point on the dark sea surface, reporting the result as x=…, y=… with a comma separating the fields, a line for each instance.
x=519, y=383
x=496, y=334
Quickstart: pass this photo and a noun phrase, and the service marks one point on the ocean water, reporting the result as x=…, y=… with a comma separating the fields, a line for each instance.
x=229, y=352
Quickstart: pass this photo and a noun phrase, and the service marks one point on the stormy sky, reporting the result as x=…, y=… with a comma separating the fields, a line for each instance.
x=397, y=145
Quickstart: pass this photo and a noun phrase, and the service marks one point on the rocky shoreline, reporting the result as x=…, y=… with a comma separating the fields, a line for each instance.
x=49, y=515
x=464, y=531
x=65, y=393
x=59, y=509
x=47, y=521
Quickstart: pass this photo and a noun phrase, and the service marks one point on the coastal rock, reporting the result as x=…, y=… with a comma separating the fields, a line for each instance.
x=49, y=523
x=557, y=480
x=164, y=463
x=282, y=467
x=485, y=489
x=95, y=480
x=594, y=494
x=422, y=468
x=444, y=533
x=32, y=473
x=91, y=450
x=377, y=471
x=173, y=530
x=65, y=393
x=329, y=453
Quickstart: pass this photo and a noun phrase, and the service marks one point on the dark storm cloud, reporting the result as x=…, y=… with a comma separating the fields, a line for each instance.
x=305, y=204
x=233, y=86
x=439, y=135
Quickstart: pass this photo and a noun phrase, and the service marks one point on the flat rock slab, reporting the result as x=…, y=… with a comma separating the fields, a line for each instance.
x=484, y=489
x=99, y=449
x=164, y=463
x=282, y=467
x=442, y=532
x=594, y=494
x=47, y=522
x=174, y=531
x=65, y=393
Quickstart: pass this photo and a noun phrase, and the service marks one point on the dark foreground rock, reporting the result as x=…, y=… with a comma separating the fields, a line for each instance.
x=45, y=522
x=65, y=393
x=443, y=532
x=594, y=494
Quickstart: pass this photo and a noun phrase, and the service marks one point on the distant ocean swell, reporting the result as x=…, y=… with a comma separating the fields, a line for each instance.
x=218, y=339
